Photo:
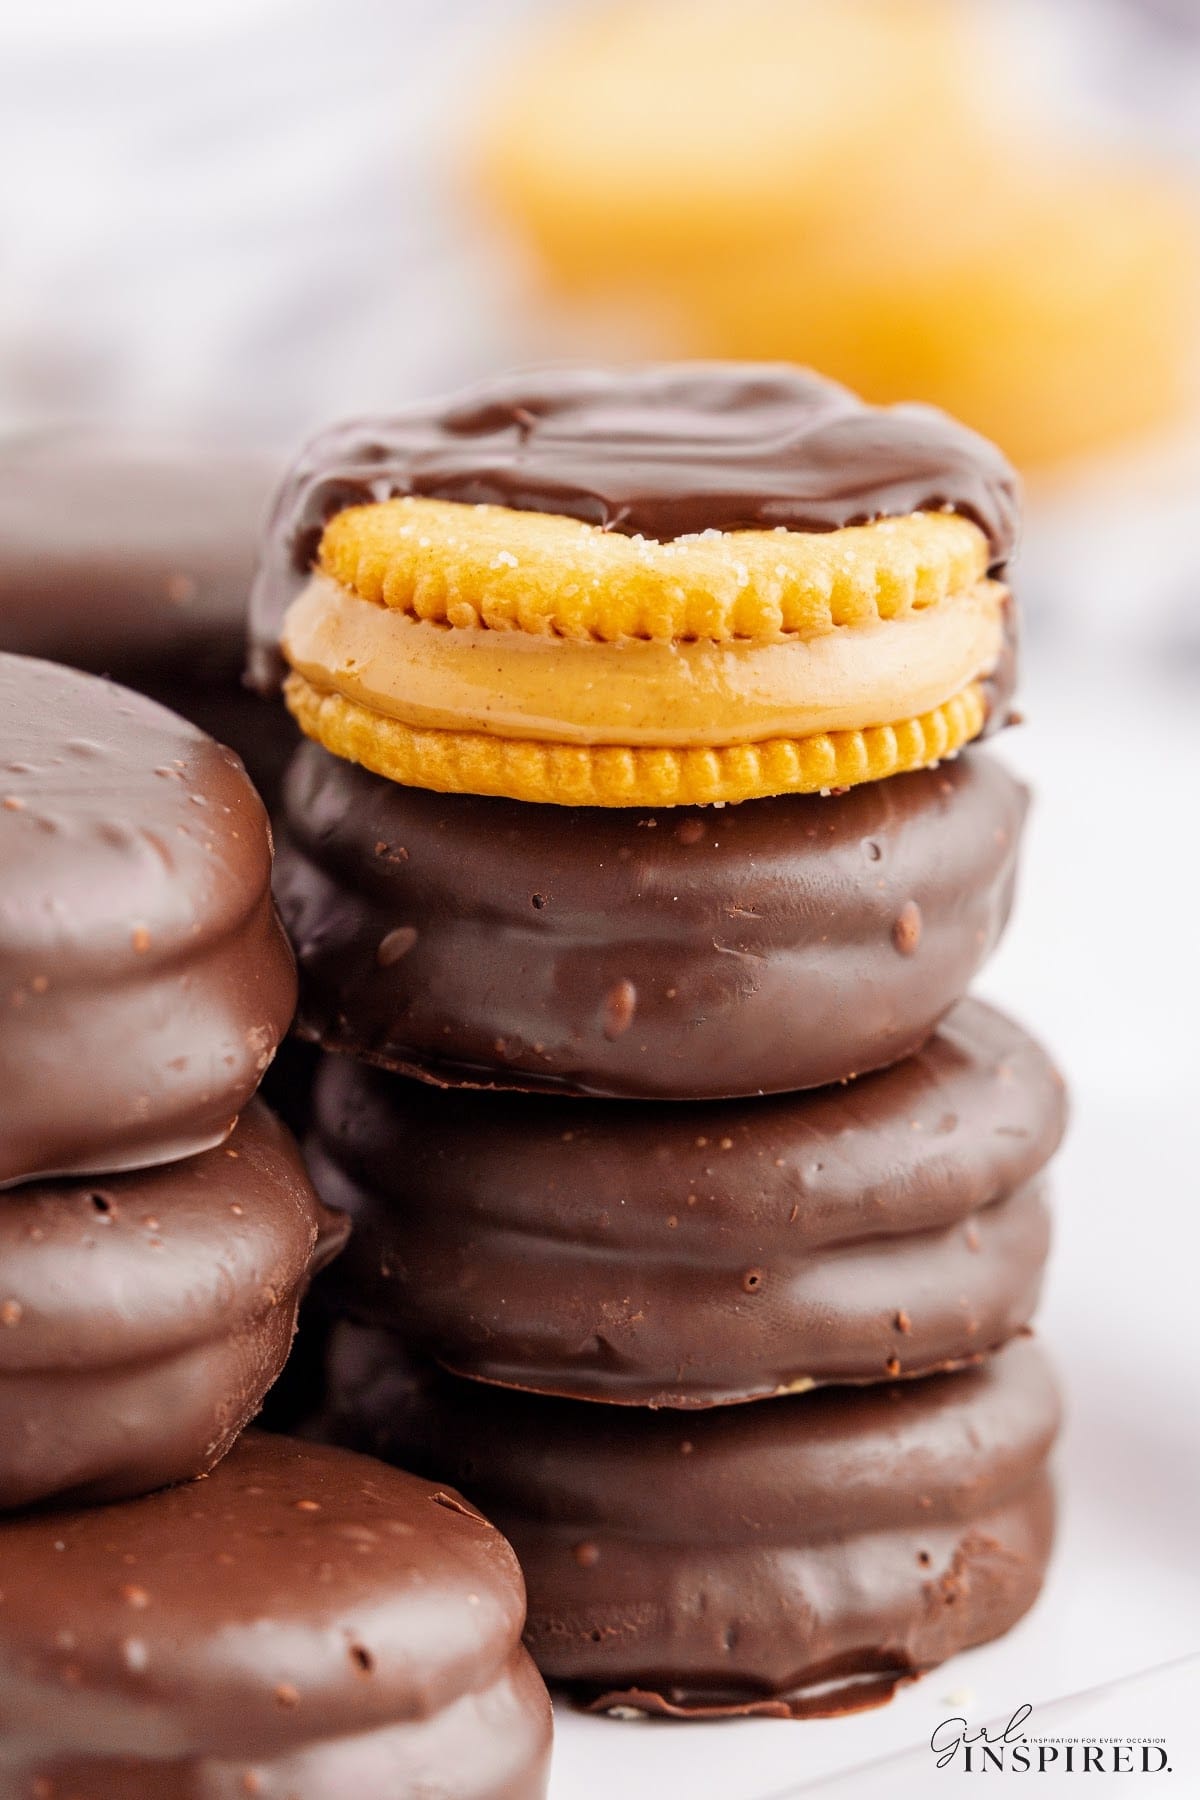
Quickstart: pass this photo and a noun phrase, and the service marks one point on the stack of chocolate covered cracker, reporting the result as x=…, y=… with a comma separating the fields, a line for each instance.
x=227, y=1635
x=156, y=1226
x=644, y=825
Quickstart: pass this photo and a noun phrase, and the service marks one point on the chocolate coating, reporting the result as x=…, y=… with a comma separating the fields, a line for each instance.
x=801, y=1556
x=144, y=977
x=133, y=558
x=690, y=953
x=659, y=450
x=303, y=1625
x=697, y=1255
x=144, y=1316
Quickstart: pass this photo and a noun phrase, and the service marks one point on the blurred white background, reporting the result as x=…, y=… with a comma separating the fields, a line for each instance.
x=244, y=217
x=234, y=215
x=253, y=214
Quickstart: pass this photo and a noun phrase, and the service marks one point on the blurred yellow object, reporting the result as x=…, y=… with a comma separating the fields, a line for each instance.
x=650, y=135
x=1057, y=318
x=464, y=762
x=837, y=184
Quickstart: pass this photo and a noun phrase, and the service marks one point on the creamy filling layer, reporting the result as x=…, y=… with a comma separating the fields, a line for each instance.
x=692, y=694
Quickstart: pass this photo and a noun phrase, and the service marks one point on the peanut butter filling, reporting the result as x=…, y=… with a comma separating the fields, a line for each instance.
x=642, y=693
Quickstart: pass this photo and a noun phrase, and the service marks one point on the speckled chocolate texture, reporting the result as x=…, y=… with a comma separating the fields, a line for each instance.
x=688, y=953
x=144, y=1316
x=132, y=557
x=657, y=450
x=304, y=1624
x=698, y=1255
x=145, y=980
x=797, y=1557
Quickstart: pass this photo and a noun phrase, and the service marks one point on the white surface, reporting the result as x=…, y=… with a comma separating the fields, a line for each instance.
x=1103, y=961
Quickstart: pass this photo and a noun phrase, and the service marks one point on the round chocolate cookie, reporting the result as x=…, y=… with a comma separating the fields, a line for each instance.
x=690, y=953
x=133, y=558
x=144, y=977
x=303, y=1625
x=696, y=1255
x=798, y=1557
x=144, y=1316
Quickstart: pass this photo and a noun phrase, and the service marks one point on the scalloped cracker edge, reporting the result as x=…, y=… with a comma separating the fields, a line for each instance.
x=470, y=762
x=505, y=570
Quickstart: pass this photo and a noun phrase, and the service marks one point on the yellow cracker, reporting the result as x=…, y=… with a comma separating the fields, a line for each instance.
x=505, y=570
x=469, y=762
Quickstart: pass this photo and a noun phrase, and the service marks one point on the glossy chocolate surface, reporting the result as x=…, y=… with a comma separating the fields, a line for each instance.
x=684, y=953
x=144, y=1316
x=304, y=1623
x=657, y=450
x=698, y=1255
x=800, y=1556
x=145, y=979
